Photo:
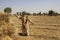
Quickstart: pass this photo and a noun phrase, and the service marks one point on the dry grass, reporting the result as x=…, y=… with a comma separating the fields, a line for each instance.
x=44, y=28
x=6, y=28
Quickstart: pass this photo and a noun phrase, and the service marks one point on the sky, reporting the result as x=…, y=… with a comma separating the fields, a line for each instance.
x=32, y=6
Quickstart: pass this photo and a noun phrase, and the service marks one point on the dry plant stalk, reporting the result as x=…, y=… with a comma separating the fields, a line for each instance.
x=6, y=29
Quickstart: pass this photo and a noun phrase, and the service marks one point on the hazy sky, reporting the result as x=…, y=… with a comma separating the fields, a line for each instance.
x=31, y=5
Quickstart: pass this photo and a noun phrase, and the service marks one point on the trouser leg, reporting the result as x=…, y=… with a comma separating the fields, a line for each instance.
x=28, y=30
x=25, y=32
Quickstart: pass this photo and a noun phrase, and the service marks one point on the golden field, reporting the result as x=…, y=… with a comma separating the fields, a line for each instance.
x=44, y=28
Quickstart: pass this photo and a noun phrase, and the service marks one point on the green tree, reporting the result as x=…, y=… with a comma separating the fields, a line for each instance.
x=39, y=13
x=24, y=13
x=7, y=10
x=51, y=12
x=34, y=14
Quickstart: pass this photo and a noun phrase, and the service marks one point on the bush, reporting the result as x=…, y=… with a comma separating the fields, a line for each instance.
x=7, y=10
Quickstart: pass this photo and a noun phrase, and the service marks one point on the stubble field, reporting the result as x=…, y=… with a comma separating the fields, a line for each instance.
x=44, y=28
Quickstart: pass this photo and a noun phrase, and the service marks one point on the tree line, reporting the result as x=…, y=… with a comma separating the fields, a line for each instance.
x=50, y=12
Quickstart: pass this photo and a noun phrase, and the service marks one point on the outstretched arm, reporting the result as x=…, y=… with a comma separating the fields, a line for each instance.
x=30, y=21
x=18, y=17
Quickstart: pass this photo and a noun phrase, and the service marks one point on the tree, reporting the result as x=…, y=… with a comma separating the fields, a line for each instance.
x=28, y=14
x=51, y=12
x=34, y=14
x=44, y=14
x=56, y=14
x=24, y=13
x=17, y=13
x=7, y=10
x=39, y=13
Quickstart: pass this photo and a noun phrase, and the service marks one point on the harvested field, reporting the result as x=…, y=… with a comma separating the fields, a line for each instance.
x=44, y=28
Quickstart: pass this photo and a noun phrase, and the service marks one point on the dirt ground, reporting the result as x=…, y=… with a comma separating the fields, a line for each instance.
x=44, y=28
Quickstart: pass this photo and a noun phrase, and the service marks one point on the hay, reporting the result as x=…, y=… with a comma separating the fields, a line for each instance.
x=6, y=28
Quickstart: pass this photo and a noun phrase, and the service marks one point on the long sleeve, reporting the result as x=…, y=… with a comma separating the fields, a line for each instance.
x=30, y=21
